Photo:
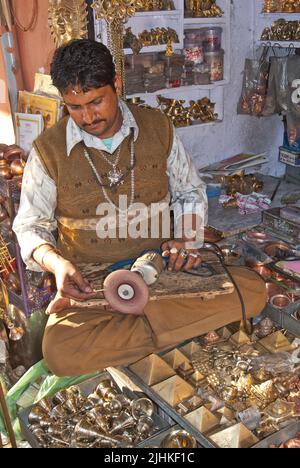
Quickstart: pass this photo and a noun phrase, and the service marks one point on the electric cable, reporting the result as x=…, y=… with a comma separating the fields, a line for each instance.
x=220, y=256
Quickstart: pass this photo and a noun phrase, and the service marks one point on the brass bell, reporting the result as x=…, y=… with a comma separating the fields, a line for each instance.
x=15, y=333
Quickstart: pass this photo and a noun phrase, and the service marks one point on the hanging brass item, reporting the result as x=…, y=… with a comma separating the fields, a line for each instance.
x=67, y=20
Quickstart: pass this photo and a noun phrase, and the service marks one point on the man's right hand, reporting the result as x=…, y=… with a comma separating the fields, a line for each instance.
x=70, y=282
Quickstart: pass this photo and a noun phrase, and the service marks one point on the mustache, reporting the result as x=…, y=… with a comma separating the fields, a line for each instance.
x=93, y=123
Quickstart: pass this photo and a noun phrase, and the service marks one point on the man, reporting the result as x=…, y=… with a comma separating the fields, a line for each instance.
x=103, y=151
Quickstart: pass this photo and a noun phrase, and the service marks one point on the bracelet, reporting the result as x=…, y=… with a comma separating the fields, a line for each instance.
x=51, y=249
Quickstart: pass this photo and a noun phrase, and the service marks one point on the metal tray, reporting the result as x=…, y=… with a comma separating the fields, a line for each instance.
x=86, y=388
x=284, y=317
x=286, y=230
x=156, y=440
x=283, y=435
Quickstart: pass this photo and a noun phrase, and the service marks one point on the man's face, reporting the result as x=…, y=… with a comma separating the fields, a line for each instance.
x=96, y=111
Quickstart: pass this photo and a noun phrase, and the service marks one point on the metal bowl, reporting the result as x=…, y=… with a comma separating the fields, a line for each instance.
x=280, y=301
x=277, y=249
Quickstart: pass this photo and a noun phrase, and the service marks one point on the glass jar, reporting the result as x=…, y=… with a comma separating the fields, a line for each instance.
x=212, y=39
x=215, y=62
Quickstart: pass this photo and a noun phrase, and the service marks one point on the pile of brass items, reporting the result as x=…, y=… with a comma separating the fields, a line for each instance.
x=201, y=110
x=290, y=444
x=7, y=268
x=67, y=20
x=281, y=6
x=241, y=389
x=244, y=184
x=106, y=418
x=111, y=10
x=202, y=9
x=282, y=30
x=157, y=5
x=8, y=315
x=157, y=36
x=11, y=161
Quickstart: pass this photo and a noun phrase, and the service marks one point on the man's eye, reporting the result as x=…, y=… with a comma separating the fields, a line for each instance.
x=96, y=103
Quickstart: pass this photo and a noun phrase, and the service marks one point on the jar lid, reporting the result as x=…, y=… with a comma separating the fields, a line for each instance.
x=215, y=52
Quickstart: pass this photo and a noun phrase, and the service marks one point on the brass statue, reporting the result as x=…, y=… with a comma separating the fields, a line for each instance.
x=67, y=20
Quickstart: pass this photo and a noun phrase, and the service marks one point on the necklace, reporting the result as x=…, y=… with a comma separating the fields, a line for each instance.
x=120, y=180
x=115, y=176
x=33, y=19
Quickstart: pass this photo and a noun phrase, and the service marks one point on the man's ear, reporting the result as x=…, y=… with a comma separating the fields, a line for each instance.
x=118, y=85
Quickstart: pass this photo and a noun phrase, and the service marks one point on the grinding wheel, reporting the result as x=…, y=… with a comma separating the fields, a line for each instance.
x=126, y=292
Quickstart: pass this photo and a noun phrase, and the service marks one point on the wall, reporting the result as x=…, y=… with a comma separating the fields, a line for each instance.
x=238, y=133
x=6, y=125
x=36, y=47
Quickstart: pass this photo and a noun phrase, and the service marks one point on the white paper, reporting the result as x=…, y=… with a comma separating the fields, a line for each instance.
x=28, y=128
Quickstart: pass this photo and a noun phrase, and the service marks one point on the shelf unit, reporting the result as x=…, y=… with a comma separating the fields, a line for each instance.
x=175, y=19
x=263, y=20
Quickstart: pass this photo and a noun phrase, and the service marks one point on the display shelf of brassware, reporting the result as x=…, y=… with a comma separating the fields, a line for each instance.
x=263, y=20
x=148, y=20
x=215, y=92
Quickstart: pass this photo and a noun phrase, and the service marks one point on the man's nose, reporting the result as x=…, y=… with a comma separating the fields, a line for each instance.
x=88, y=116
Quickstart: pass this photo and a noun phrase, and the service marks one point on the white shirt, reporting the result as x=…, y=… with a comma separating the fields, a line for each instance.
x=36, y=221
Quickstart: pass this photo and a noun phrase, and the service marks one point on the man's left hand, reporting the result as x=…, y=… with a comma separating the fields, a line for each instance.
x=180, y=258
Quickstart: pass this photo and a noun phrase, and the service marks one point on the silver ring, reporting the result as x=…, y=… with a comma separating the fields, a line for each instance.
x=194, y=255
x=183, y=253
x=174, y=251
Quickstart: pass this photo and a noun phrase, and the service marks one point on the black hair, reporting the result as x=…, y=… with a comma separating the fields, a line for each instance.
x=82, y=63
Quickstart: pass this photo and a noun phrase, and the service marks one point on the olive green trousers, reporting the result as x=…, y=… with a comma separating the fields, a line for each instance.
x=80, y=341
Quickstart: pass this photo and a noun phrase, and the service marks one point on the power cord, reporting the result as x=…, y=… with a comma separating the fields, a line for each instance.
x=219, y=254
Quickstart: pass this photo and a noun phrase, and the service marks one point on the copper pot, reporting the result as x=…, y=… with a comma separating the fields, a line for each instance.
x=17, y=167
x=13, y=152
x=274, y=249
x=273, y=290
x=280, y=301
x=5, y=169
x=258, y=237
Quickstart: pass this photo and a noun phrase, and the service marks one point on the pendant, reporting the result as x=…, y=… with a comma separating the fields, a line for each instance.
x=114, y=177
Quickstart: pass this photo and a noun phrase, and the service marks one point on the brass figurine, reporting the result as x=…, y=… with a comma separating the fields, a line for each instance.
x=67, y=20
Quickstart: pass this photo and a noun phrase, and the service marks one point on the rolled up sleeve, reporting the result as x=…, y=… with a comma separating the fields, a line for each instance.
x=35, y=222
x=188, y=191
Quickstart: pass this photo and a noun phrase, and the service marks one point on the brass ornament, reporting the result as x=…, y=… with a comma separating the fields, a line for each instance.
x=67, y=20
x=115, y=13
x=281, y=6
x=202, y=9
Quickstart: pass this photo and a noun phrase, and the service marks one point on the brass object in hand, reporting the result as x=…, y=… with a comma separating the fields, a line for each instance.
x=244, y=184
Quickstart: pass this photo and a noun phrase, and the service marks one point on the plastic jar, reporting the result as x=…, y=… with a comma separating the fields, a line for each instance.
x=194, y=53
x=215, y=62
x=212, y=39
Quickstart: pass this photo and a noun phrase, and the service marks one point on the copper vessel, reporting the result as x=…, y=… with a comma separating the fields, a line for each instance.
x=277, y=249
x=280, y=301
x=5, y=169
x=273, y=290
x=17, y=167
x=258, y=237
